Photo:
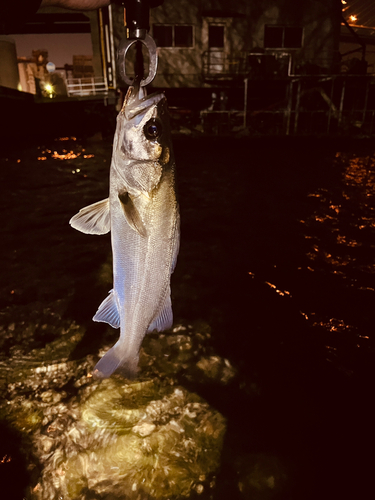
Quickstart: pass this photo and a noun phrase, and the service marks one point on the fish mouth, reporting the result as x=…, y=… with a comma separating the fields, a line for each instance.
x=136, y=103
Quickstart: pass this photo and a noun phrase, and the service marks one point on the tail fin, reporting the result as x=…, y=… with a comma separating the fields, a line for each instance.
x=116, y=360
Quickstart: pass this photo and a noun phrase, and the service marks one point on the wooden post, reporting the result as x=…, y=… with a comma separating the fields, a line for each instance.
x=366, y=101
x=330, y=106
x=288, y=110
x=297, y=106
x=246, y=81
x=342, y=102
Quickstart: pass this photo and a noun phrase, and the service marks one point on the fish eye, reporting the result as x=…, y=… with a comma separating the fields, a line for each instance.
x=152, y=129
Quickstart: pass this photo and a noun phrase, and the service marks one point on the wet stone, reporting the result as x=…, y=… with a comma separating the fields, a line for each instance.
x=217, y=368
x=261, y=476
x=185, y=352
x=142, y=434
x=148, y=439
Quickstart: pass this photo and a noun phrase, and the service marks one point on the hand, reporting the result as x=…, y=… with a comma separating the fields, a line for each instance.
x=76, y=4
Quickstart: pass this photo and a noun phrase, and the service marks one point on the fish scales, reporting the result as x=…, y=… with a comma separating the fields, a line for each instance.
x=143, y=216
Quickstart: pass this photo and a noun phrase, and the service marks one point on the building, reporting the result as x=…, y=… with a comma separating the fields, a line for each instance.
x=204, y=43
x=79, y=47
x=357, y=40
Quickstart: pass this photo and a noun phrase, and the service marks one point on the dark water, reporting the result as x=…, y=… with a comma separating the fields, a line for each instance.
x=277, y=255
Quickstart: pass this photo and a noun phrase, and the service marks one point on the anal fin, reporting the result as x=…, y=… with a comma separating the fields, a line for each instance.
x=164, y=318
x=108, y=311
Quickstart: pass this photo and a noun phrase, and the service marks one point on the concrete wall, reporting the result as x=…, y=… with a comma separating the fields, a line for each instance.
x=9, y=76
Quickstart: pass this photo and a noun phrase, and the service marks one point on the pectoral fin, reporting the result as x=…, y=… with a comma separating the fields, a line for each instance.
x=131, y=213
x=108, y=311
x=93, y=219
x=164, y=319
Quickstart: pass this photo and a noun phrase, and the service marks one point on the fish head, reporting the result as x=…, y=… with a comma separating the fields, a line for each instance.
x=144, y=143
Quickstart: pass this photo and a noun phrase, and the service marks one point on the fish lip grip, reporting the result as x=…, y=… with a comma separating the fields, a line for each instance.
x=123, y=49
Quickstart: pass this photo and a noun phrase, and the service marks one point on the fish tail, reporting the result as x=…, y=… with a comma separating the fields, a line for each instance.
x=116, y=360
x=128, y=368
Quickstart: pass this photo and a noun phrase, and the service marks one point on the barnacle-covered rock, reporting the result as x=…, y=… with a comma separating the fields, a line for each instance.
x=137, y=440
x=215, y=368
x=185, y=352
x=42, y=367
x=32, y=382
x=148, y=439
x=261, y=476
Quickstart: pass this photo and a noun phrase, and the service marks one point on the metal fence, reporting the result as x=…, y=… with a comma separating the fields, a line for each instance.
x=218, y=65
x=86, y=86
x=336, y=104
x=330, y=105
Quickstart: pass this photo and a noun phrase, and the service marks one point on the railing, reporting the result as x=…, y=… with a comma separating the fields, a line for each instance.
x=216, y=64
x=86, y=86
x=346, y=103
x=336, y=105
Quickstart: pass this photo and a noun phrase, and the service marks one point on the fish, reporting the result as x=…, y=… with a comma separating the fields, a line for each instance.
x=142, y=214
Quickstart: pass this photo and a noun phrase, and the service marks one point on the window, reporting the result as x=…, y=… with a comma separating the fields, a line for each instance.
x=279, y=37
x=166, y=35
x=163, y=35
x=183, y=36
x=216, y=36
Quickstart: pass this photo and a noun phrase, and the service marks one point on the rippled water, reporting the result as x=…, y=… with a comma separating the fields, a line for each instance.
x=339, y=233
x=277, y=255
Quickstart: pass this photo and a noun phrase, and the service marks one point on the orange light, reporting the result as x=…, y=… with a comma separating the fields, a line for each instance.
x=353, y=18
x=68, y=156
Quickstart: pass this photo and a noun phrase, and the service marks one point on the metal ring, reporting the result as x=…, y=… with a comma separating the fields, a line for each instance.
x=125, y=45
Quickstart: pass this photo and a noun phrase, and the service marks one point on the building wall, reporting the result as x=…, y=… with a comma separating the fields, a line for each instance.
x=244, y=23
x=62, y=46
x=9, y=76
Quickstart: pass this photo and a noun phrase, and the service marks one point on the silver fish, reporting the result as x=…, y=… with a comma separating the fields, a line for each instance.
x=143, y=216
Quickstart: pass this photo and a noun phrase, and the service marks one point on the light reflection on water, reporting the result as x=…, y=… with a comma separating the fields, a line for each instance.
x=340, y=240
x=59, y=152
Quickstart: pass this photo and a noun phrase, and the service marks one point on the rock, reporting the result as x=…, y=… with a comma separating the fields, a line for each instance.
x=139, y=440
x=261, y=476
x=217, y=369
x=185, y=131
x=144, y=428
x=148, y=439
x=185, y=352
